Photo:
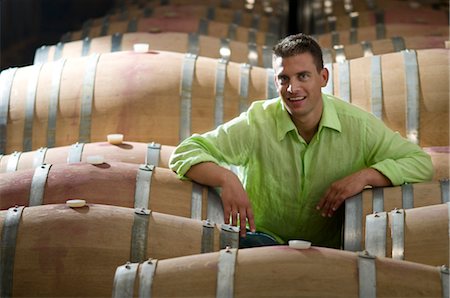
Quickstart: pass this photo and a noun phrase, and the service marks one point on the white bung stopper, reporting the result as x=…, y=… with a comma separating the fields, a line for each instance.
x=95, y=159
x=141, y=47
x=77, y=203
x=115, y=139
x=299, y=244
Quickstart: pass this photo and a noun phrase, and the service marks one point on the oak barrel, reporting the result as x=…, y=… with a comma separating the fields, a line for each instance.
x=59, y=251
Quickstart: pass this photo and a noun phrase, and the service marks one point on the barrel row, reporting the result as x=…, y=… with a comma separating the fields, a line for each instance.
x=238, y=17
x=285, y=272
x=55, y=239
x=75, y=84
x=202, y=45
x=112, y=183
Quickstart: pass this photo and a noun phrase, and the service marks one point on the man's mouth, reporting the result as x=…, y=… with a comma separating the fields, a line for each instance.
x=298, y=98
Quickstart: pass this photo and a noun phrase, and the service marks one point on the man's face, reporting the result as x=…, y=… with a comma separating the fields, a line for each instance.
x=299, y=84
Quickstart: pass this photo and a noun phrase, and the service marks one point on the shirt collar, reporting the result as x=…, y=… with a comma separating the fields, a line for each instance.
x=329, y=118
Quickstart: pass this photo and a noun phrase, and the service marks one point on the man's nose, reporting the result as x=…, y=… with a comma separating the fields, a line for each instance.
x=294, y=86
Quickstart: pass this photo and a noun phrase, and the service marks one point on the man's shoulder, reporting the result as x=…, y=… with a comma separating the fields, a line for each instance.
x=344, y=108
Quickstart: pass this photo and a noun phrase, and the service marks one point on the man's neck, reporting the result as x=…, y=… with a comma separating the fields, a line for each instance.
x=307, y=126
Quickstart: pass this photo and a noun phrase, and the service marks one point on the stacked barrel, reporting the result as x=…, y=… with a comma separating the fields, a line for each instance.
x=98, y=115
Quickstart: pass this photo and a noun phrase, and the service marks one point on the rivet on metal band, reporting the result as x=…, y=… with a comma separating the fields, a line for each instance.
x=203, y=25
x=229, y=236
x=378, y=199
x=252, y=54
x=353, y=223
x=225, y=51
x=445, y=281
x=58, y=51
x=8, y=249
x=412, y=96
x=267, y=56
x=193, y=41
x=207, y=237
x=367, y=48
x=407, y=196
x=139, y=235
x=376, y=99
x=354, y=19
x=329, y=88
x=124, y=279
x=6, y=81
x=143, y=186
x=105, y=26
x=340, y=53
x=376, y=234
x=196, y=201
x=13, y=161
x=334, y=38
x=29, y=108
x=87, y=98
x=271, y=88
x=232, y=28
x=237, y=17
x=38, y=185
x=86, y=28
x=243, y=86
x=367, y=272
x=132, y=25
x=75, y=153
x=221, y=73
x=344, y=80
x=153, y=153
x=445, y=189
x=353, y=35
x=214, y=210
x=225, y=273
x=39, y=157
x=41, y=55
x=54, y=102
x=398, y=43
x=116, y=42
x=146, y=274
x=186, y=95
x=211, y=13
x=398, y=234
x=86, y=46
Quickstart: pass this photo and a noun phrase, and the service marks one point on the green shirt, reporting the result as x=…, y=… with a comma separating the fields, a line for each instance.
x=285, y=177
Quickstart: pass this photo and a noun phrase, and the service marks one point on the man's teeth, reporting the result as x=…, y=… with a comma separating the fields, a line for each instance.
x=297, y=98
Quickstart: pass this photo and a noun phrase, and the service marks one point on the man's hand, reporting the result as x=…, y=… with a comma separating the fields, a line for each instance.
x=234, y=198
x=347, y=187
x=235, y=201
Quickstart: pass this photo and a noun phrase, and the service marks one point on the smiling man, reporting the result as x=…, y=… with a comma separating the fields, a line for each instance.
x=301, y=154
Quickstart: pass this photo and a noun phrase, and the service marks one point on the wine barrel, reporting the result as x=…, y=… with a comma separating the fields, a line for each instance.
x=184, y=24
x=340, y=53
x=407, y=90
x=280, y=271
x=418, y=235
x=130, y=152
x=381, y=199
x=59, y=251
x=202, y=45
x=159, y=96
x=113, y=183
x=355, y=19
x=347, y=37
x=224, y=15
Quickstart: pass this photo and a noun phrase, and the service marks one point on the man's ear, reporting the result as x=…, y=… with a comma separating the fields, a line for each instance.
x=324, y=75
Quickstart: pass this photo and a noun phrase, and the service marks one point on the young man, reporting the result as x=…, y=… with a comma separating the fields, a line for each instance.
x=302, y=154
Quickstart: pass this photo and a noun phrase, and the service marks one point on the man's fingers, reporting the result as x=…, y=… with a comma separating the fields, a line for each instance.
x=234, y=216
x=251, y=220
x=226, y=214
x=243, y=222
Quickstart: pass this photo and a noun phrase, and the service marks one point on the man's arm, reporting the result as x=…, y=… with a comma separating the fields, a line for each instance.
x=234, y=198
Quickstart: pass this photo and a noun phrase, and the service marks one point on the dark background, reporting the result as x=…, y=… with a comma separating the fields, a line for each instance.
x=28, y=24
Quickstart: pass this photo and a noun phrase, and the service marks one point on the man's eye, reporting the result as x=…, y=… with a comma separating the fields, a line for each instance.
x=282, y=80
x=303, y=76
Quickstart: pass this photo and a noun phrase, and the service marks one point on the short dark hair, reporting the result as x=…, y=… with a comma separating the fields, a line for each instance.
x=298, y=44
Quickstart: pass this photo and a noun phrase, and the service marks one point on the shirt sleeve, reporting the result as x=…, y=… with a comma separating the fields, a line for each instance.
x=228, y=144
x=394, y=156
